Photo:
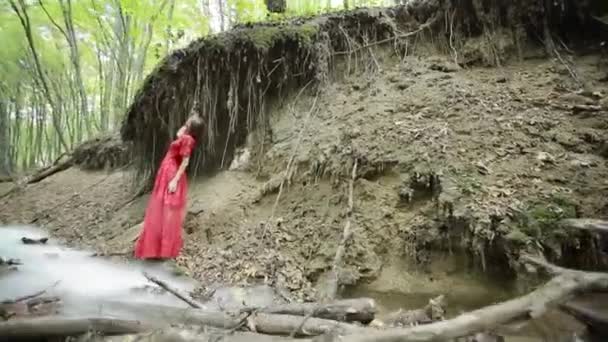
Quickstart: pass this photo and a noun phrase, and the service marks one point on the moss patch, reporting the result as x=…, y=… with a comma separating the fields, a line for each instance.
x=541, y=219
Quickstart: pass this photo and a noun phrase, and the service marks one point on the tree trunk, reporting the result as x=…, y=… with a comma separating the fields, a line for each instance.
x=222, y=13
x=24, y=18
x=4, y=141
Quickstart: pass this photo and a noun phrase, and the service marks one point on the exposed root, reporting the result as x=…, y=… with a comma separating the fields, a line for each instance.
x=333, y=278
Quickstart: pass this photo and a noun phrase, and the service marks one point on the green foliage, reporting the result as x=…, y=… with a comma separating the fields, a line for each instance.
x=541, y=219
x=264, y=37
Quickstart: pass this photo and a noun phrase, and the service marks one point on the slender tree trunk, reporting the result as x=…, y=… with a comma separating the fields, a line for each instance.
x=222, y=13
x=168, y=34
x=21, y=11
x=66, y=7
x=206, y=8
x=4, y=139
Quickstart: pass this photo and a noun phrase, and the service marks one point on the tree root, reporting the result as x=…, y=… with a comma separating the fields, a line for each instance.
x=333, y=278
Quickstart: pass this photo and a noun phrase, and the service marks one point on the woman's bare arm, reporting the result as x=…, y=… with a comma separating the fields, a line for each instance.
x=178, y=174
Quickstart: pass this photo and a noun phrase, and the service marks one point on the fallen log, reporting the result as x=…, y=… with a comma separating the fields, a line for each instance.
x=592, y=225
x=47, y=172
x=183, y=335
x=160, y=315
x=60, y=327
x=564, y=284
x=577, y=109
x=347, y=310
x=287, y=324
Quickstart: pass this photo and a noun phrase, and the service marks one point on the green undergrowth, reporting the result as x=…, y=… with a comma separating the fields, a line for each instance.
x=539, y=221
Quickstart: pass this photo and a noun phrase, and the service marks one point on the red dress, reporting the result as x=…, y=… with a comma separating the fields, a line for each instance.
x=161, y=236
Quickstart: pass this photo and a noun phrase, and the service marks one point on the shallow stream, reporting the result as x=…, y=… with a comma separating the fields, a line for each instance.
x=85, y=282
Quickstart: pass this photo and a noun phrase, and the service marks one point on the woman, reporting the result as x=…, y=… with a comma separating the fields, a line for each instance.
x=161, y=237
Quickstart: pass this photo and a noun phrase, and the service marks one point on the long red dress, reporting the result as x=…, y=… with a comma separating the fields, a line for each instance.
x=161, y=236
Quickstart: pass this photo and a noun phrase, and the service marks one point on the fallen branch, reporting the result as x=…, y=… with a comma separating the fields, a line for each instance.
x=579, y=108
x=160, y=315
x=560, y=288
x=31, y=296
x=56, y=168
x=10, y=262
x=600, y=226
x=348, y=310
x=60, y=327
x=333, y=279
x=173, y=291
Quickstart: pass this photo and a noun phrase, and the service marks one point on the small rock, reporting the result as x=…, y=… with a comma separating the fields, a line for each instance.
x=445, y=66
x=403, y=86
x=501, y=80
x=583, y=163
x=484, y=170
x=545, y=158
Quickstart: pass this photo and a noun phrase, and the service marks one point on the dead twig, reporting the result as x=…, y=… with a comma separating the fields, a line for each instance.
x=570, y=69
x=306, y=318
x=31, y=296
x=101, y=255
x=173, y=291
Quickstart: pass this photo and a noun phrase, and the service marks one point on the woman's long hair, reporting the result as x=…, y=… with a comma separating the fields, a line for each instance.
x=196, y=125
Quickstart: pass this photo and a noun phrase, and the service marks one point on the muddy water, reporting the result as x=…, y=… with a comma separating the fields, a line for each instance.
x=402, y=284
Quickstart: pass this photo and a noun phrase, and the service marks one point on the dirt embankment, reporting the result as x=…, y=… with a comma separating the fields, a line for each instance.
x=485, y=158
x=482, y=161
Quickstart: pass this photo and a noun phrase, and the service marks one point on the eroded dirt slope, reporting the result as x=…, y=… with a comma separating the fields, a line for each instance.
x=447, y=157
